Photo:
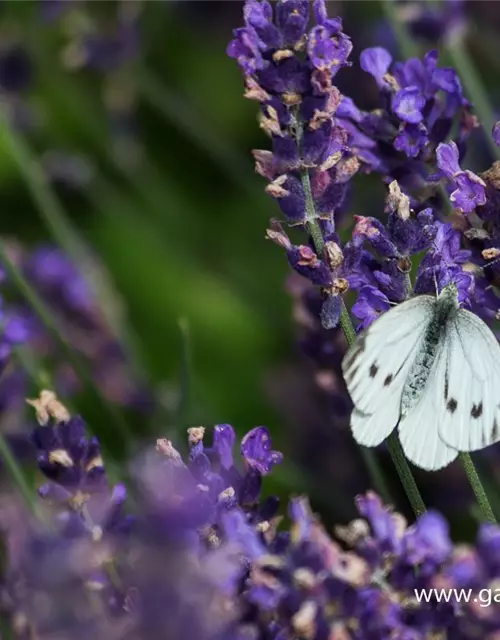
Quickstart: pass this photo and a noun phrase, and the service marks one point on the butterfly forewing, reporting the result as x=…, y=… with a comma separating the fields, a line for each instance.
x=470, y=385
x=375, y=367
x=418, y=430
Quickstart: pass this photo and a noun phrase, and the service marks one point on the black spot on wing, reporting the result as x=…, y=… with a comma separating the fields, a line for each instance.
x=477, y=410
x=494, y=431
x=373, y=370
x=446, y=386
x=452, y=405
x=388, y=380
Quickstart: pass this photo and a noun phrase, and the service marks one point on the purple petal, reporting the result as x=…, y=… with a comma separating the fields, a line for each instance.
x=447, y=158
x=408, y=103
x=376, y=61
x=256, y=449
x=224, y=438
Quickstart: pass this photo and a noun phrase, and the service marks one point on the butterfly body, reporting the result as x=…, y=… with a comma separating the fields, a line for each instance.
x=432, y=369
x=444, y=311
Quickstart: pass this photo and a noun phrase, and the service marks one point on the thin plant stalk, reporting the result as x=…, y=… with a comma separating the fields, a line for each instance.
x=17, y=474
x=486, y=511
x=372, y=463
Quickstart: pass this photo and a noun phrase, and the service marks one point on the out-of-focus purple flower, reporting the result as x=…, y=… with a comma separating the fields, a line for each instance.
x=496, y=133
x=434, y=23
x=16, y=69
x=76, y=310
x=54, y=9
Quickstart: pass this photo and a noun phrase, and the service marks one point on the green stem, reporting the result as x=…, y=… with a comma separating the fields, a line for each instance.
x=74, y=359
x=474, y=88
x=393, y=444
x=17, y=474
x=405, y=474
x=314, y=230
x=487, y=514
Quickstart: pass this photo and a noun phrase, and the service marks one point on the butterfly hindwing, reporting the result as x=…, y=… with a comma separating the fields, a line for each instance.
x=374, y=364
x=376, y=367
x=471, y=385
x=418, y=431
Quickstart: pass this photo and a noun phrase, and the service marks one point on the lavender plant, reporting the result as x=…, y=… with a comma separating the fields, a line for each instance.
x=200, y=551
x=191, y=545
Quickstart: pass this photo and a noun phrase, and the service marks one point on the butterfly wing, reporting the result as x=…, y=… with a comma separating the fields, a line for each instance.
x=376, y=366
x=418, y=430
x=470, y=387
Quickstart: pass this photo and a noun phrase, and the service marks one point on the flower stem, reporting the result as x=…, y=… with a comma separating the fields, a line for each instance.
x=475, y=482
x=369, y=457
x=17, y=473
x=405, y=474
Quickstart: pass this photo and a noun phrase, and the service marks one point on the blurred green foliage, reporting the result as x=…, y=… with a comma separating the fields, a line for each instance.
x=181, y=231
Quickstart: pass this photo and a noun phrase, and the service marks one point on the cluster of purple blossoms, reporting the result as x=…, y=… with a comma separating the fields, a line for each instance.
x=197, y=552
x=415, y=139
x=437, y=213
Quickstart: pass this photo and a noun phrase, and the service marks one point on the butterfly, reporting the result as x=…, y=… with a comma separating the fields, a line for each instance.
x=431, y=369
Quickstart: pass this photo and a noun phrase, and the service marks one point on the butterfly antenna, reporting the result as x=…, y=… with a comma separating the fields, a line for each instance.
x=435, y=282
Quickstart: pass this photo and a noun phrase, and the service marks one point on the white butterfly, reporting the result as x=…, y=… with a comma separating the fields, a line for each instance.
x=433, y=370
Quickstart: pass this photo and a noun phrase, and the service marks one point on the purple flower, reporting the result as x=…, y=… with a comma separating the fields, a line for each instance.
x=224, y=439
x=469, y=189
x=291, y=19
x=370, y=304
x=246, y=50
x=257, y=452
x=496, y=133
x=428, y=543
x=68, y=458
x=434, y=23
x=376, y=61
x=53, y=9
x=16, y=69
x=328, y=47
x=411, y=139
x=408, y=103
